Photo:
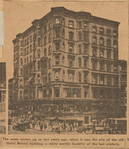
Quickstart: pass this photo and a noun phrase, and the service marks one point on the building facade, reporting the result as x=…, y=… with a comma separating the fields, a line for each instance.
x=67, y=62
x=2, y=96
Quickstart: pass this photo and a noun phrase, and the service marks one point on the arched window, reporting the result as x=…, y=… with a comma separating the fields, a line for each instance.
x=38, y=65
x=79, y=59
x=45, y=52
x=50, y=37
x=30, y=58
x=49, y=63
x=49, y=50
x=71, y=77
x=38, y=53
x=21, y=71
x=63, y=58
x=21, y=95
x=80, y=48
x=39, y=41
x=21, y=60
x=71, y=35
x=109, y=42
x=38, y=78
x=70, y=63
x=101, y=41
x=79, y=36
x=71, y=48
x=94, y=40
x=63, y=77
x=57, y=75
x=79, y=76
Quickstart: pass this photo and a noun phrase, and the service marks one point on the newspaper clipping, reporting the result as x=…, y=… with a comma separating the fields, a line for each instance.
x=63, y=74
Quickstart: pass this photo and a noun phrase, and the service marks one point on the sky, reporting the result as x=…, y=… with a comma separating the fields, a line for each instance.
x=19, y=15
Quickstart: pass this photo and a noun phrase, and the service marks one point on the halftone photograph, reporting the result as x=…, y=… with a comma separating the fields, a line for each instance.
x=67, y=67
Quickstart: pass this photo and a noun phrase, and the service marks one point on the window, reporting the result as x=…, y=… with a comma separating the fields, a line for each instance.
x=79, y=76
x=85, y=62
x=108, y=32
x=30, y=38
x=71, y=77
x=20, y=82
x=108, y=66
x=30, y=48
x=79, y=36
x=63, y=32
x=50, y=37
x=94, y=40
x=101, y=30
x=25, y=42
x=22, y=43
x=21, y=71
x=94, y=79
x=63, y=21
x=63, y=59
x=20, y=95
x=86, y=50
x=49, y=63
x=57, y=31
x=79, y=60
x=25, y=51
x=101, y=53
x=85, y=36
x=49, y=50
x=109, y=54
x=57, y=91
x=63, y=46
x=57, y=20
x=71, y=63
x=109, y=42
x=79, y=24
x=85, y=77
x=109, y=81
x=116, y=80
x=38, y=79
x=38, y=65
x=38, y=53
x=21, y=61
x=94, y=65
x=45, y=29
x=115, y=44
x=101, y=79
x=101, y=41
x=80, y=48
x=94, y=29
x=115, y=55
x=71, y=48
x=84, y=24
x=57, y=45
x=49, y=77
x=71, y=23
x=45, y=52
x=71, y=35
x=30, y=58
x=115, y=67
x=57, y=75
x=101, y=63
x=57, y=60
x=85, y=94
x=94, y=52
x=25, y=60
x=50, y=25
x=45, y=40
x=63, y=77
x=115, y=33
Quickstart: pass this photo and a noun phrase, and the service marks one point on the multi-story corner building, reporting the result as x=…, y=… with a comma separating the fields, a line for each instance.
x=68, y=61
x=2, y=96
x=10, y=90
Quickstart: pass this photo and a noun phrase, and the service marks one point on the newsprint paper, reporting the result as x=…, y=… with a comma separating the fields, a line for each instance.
x=63, y=74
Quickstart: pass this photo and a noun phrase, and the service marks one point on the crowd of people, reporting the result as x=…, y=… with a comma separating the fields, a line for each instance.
x=24, y=122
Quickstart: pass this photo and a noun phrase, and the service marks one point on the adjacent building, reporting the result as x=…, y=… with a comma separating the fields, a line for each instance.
x=2, y=96
x=66, y=64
